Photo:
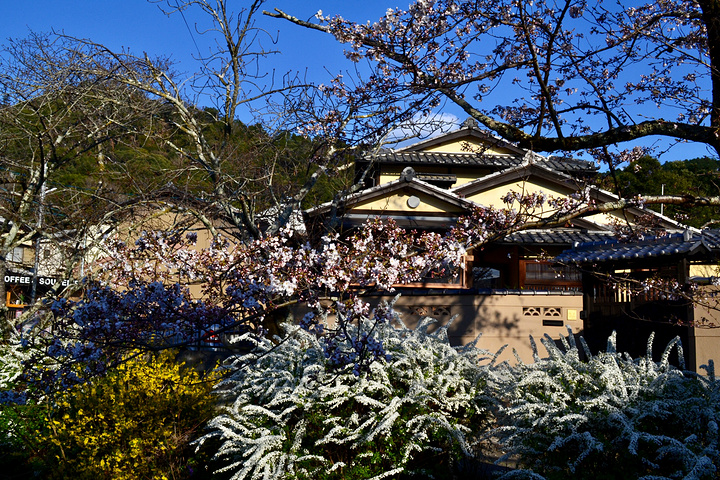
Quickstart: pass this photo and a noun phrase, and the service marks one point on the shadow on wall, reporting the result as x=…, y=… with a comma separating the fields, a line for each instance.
x=500, y=318
x=633, y=334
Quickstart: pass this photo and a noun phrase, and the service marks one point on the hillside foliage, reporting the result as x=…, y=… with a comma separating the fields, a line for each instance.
x=698, y=177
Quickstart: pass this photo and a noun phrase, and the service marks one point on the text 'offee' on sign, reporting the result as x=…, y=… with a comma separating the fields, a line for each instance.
x=27, y=280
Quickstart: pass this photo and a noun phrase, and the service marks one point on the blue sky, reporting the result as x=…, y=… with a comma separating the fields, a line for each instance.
x=140, y=26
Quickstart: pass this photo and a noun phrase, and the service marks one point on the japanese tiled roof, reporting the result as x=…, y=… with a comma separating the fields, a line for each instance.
x=614, y=250
x=437, y=177
x=478, y=160
x=408, y=178
x=557, y=237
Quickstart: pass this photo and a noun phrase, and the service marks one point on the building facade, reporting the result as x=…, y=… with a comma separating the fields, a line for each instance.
x=510, y=288
x=662, y=286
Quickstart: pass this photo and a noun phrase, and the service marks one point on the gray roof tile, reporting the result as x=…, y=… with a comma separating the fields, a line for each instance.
x=556, y=237
x=479, y=160
x=612, y=250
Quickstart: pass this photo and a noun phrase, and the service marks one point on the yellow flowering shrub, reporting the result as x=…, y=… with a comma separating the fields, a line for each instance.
x=135, y=423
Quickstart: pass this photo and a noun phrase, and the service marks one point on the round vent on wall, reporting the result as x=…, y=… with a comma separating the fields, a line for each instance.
x=413, y=202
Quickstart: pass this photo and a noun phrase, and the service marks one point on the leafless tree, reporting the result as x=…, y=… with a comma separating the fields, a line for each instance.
x=240, y=176
x=52, y=115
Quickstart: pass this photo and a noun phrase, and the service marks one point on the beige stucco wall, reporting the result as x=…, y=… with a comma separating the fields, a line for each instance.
x=494, y=195
x=706, y=329
x=710, y=270
x=155, y=220
x=466, y=177
x=165, y=221
x=611, y=218
x=467, y=145
x=398, y=202
x=502, y=319
x=463, y=176
x=707, y=347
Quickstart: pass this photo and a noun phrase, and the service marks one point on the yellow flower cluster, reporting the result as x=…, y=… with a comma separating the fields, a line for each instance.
x=136, y=422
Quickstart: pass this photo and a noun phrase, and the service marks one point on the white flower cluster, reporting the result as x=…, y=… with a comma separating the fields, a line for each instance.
x=290, y=415
x=12, y=356
x=637, y=418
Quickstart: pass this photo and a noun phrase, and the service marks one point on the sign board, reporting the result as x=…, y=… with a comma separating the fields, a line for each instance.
x=42, y=281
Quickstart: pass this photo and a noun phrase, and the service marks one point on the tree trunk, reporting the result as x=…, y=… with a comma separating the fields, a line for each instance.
x=6, y=325
x=711, y=18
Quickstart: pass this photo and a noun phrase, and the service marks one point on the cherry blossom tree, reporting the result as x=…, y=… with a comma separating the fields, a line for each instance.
x=69, y=98
x=139, y=295
x=549, y=75
x=607, y=79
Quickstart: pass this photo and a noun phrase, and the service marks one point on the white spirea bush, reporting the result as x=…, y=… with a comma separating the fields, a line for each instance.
x=11, y=358
x=290, y=415
x=611, y=416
